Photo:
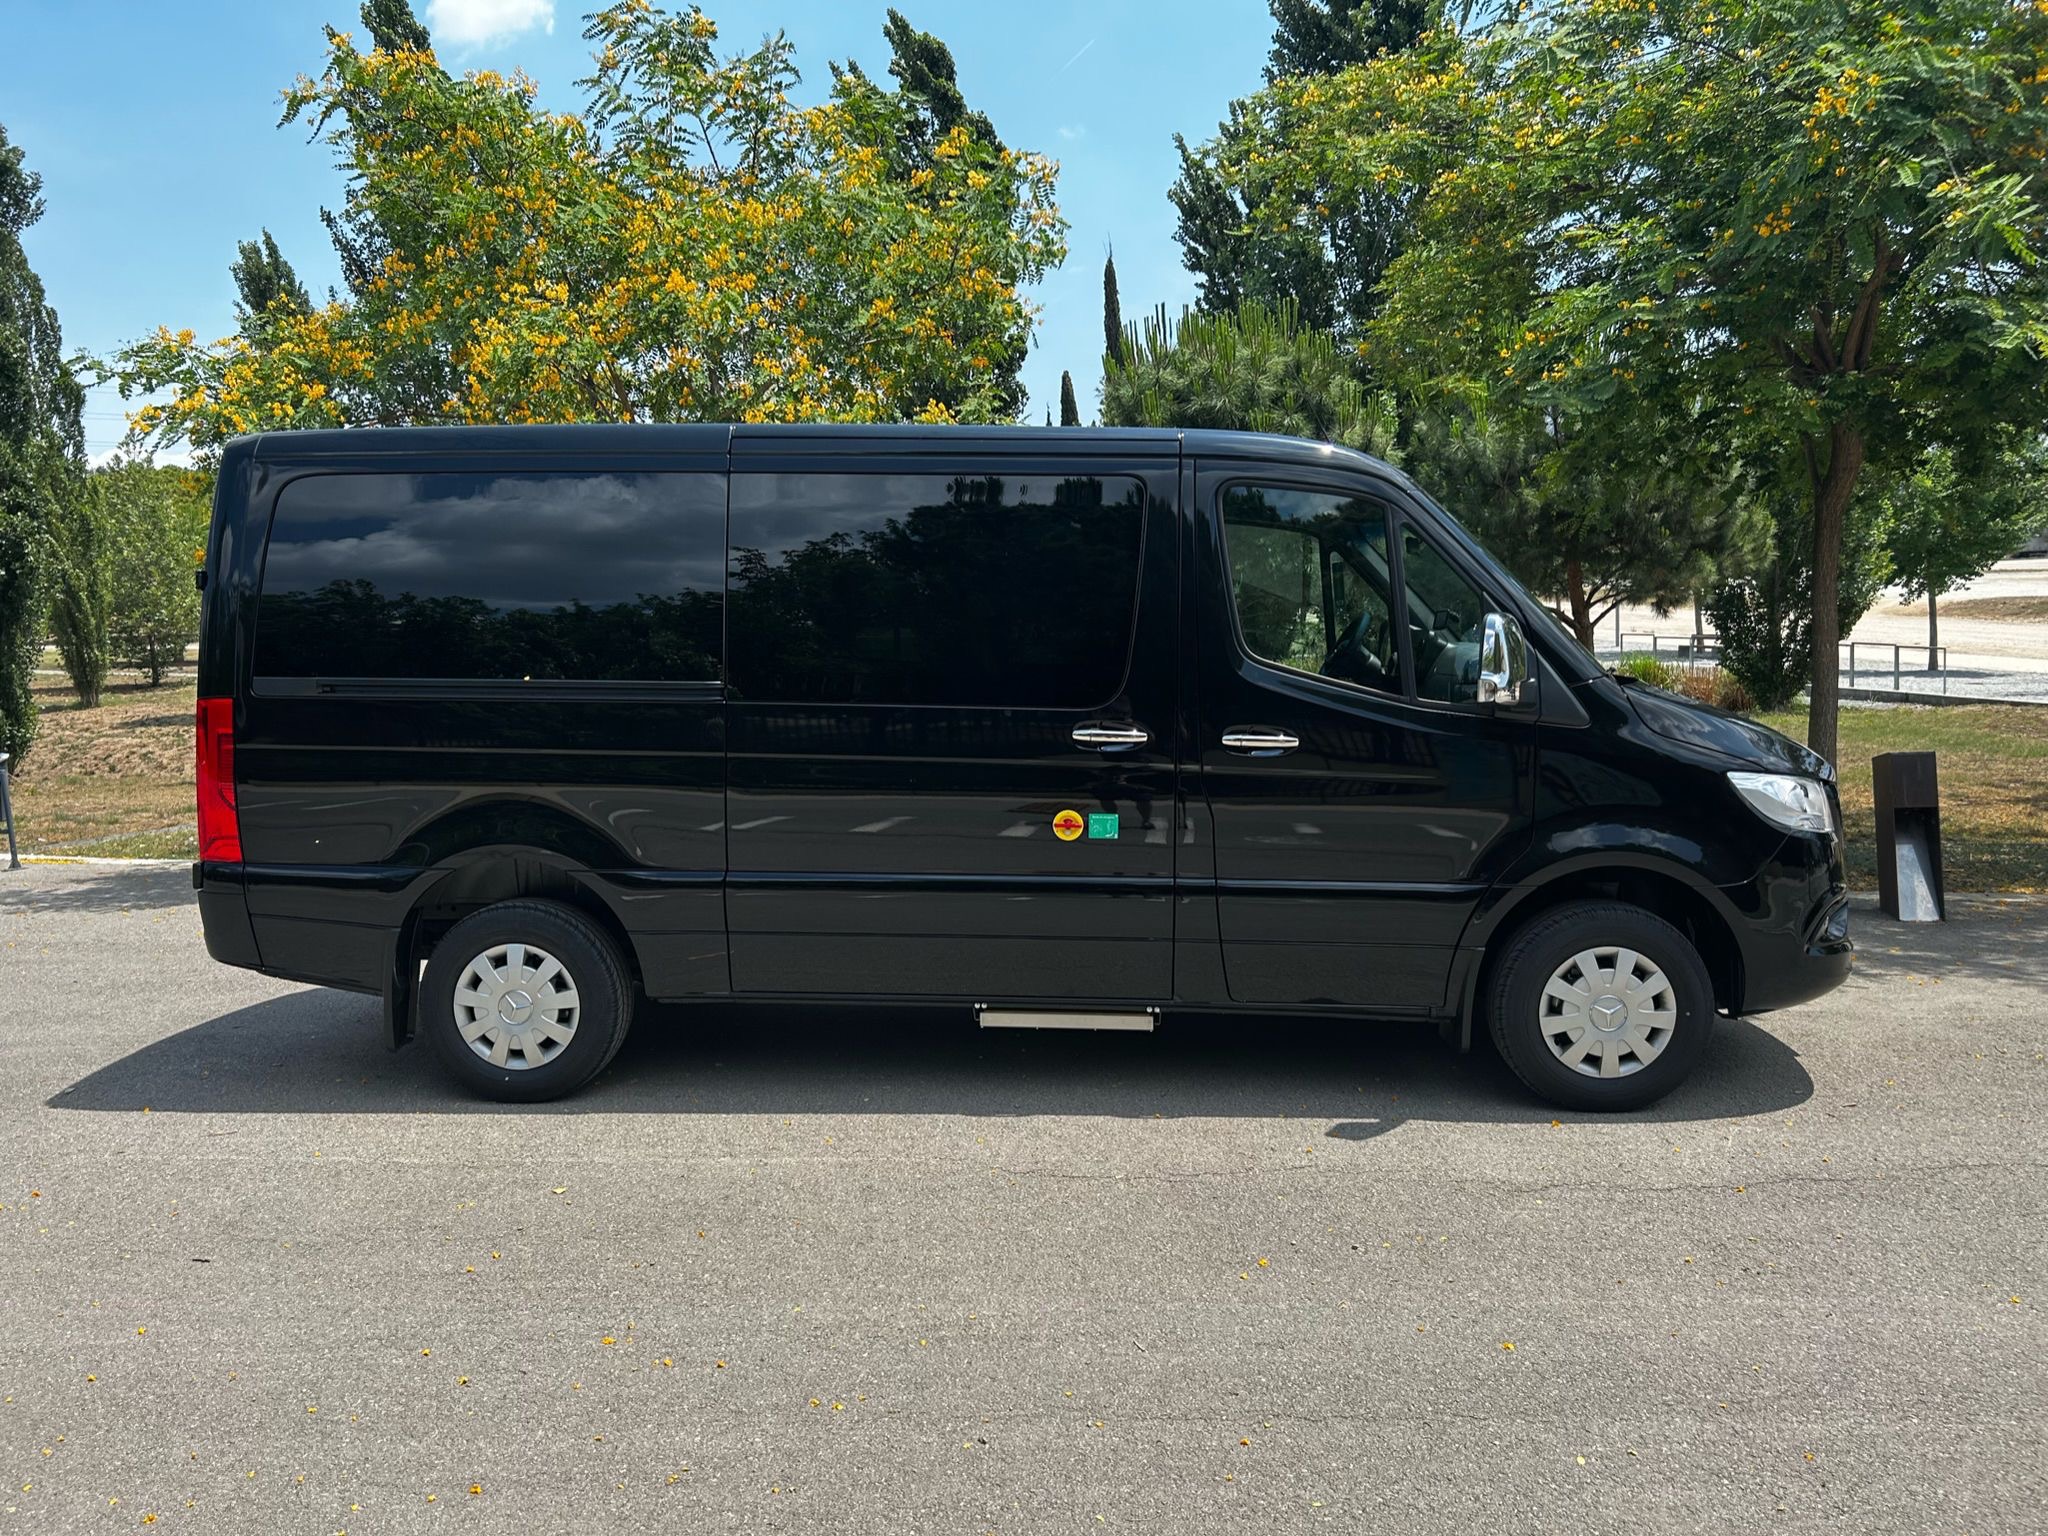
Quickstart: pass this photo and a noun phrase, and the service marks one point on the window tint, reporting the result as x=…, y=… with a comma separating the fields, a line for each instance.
x=1445, y=616
x=934, y=589
x=1308, y=573
x=493, y=577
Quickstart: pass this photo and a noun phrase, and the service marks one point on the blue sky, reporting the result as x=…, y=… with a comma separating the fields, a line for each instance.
x=154, y=128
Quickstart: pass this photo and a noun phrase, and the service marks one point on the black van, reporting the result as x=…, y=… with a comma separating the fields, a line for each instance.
x=516, y=725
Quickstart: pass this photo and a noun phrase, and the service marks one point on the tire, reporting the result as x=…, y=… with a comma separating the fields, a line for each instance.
x=543, y=1030
x=1666, y=1006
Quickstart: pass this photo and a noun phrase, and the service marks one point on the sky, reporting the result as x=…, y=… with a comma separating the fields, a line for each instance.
x=154, y=127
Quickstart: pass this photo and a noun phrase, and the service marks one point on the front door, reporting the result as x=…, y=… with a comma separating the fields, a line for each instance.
x=951, y=718
x=1361, y=797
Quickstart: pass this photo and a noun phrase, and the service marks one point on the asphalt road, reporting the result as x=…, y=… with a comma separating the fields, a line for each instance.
x=857, y=1271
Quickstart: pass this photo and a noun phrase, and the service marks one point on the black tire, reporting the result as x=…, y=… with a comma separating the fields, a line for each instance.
x=603, y=1008
x=1514, y=1002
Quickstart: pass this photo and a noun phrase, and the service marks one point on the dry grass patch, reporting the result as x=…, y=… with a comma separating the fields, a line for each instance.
x=2019, y=610
x=116, y=780
x=1993, y=766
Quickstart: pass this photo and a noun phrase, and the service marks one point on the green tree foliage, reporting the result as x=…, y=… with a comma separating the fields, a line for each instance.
x=1070, y=408
x=1944, y=524
x=1596, y=510
x=1248, y=231
x=81, y=579
x=265, y=283
x=1112, y=311
x=1825, y=223
x=694, y=245
x=394, y=28
x=155, y=518
x=41, y=447
x=1764, y=617
x=1258, y=370
x=929, y=88
x=359, y=245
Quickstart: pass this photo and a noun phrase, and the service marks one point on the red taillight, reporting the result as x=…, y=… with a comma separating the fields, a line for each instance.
x=220, y=828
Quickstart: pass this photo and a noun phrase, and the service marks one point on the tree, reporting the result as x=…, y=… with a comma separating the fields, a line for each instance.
x=1943, y=524
x=81, y=582
x=1070, y=408
x=42, y=446
x=1322, y=37
x=693, y=246
x=1245, y=233
x=1596, y=511
x=394, y=28
x=265, y=282
x=1112, y=311
x=1764, y=617
x=1259, y=370
x=156, y=521
x=1820, y=224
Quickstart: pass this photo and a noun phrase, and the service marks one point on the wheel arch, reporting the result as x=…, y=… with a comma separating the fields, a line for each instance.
x=1695, y=909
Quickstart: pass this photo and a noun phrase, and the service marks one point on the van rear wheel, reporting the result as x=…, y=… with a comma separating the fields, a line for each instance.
x=526, y=1001
x=1600, y=1005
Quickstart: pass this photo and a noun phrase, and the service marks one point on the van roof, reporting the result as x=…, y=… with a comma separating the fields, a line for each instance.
x=606, y=437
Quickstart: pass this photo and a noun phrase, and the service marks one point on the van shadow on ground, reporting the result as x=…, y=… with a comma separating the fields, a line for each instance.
x=318, y=1052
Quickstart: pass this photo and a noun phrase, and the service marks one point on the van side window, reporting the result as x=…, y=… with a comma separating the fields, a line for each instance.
x=1445, y=618
x=1006, y=591
x=577, y=577
x=1308, y=575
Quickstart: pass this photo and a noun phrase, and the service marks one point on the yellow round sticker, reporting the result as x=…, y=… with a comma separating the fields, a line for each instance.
x=1068, y=825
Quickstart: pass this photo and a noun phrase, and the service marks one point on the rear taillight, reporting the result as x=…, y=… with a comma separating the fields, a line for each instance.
x=220, y=828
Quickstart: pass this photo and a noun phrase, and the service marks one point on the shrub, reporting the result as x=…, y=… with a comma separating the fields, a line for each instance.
x=1648, y=669
x=1711, y=685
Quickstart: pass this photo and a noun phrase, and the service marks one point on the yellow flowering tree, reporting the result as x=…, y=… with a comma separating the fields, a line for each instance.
x=692, y=246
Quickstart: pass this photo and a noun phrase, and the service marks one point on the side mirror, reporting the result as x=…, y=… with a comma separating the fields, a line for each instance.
x=1503, y=660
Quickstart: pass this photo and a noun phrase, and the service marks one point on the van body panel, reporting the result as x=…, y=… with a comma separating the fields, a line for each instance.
x=911, y=847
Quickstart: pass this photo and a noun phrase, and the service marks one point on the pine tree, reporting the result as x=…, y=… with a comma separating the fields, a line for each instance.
x=42, y=447
x=1070, y=408
x=265, y=283
x=1112, y=315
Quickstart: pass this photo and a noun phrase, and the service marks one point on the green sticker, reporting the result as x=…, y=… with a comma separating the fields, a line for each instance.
x=1102, y=824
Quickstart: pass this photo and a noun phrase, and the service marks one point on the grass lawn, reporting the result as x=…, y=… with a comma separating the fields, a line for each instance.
x=113, y=782
x=116, y=782
x=1994, y=788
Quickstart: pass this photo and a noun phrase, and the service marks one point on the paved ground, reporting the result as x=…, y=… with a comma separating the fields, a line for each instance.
x=862, y=1272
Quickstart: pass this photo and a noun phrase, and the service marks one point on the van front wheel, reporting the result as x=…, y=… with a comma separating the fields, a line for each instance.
x=1600, y=1005
x=526, y=1001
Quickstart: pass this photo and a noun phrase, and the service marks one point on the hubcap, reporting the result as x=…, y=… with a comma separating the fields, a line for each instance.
x=516, y=1007
x=1607, y=1012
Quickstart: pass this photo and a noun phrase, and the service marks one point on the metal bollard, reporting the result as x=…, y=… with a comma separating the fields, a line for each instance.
x=1908, y=799
x=7, y=816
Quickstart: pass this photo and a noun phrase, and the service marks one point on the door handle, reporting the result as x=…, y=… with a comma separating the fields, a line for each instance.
x=1110, y=738
x=1260, y=742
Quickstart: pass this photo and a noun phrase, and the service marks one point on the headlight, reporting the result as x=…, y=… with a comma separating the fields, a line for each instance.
x=1785, y=800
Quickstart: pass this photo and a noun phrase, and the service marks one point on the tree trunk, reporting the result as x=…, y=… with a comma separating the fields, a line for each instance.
x=1833, y=486
x=1933, y=632
x=1582, y=610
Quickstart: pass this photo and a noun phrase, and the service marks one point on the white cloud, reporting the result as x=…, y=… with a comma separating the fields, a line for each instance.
x=472, y=23
x=1074, y=132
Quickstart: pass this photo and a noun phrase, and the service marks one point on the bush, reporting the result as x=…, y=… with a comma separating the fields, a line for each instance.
x=1712, y=685
x=1764, y=619
x=1648, y=669
x=21, y=636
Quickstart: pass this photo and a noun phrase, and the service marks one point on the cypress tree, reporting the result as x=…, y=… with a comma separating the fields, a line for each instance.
x=1112, y=314
x=1070, y=408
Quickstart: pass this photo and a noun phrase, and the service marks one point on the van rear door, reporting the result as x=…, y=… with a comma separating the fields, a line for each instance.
x=951, y=714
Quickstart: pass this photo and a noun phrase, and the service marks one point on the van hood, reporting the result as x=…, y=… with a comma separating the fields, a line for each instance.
x=1680, y=719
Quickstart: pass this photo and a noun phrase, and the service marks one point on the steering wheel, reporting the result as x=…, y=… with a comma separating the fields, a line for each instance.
x=1356, y=658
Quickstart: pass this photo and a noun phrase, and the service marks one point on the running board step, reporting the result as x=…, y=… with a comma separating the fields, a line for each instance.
x=1035, y=1018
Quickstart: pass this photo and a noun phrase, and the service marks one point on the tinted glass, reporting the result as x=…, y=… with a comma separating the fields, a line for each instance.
x=1445, y=619
x=1308, y=573
x=1011, y=591
x=492, y=577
